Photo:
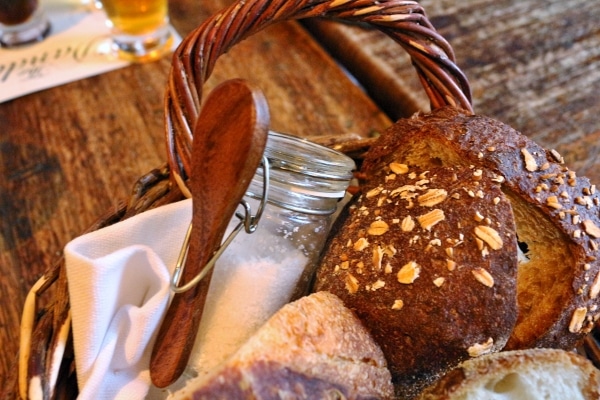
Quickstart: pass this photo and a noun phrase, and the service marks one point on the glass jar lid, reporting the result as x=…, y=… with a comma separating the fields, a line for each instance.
x=303, y=174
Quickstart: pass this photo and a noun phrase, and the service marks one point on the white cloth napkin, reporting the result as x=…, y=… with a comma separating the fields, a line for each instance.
x=119, y=290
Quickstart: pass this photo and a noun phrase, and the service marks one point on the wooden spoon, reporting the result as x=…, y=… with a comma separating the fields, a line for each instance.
x=229, y=140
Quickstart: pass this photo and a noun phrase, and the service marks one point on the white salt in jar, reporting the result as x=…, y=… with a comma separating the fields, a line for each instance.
x=260, y=272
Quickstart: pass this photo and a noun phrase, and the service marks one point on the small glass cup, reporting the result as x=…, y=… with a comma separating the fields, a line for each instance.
x=140, y=28
x=22, y=22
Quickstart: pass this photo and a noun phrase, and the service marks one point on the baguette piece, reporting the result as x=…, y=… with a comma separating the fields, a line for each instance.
x=311, y=348
x=532, y=374
x=556, y=214
x=427, y=258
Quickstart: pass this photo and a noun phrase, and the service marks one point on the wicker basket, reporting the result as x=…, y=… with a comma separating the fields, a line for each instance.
x=45, y=333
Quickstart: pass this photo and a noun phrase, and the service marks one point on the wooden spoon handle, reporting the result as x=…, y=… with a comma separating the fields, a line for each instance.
x=229, y=140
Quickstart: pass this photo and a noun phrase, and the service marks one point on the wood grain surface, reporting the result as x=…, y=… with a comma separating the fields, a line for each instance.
x=532, y=64
x=69, y=153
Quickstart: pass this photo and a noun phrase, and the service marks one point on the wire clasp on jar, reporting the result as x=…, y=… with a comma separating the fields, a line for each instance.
x=247, y=221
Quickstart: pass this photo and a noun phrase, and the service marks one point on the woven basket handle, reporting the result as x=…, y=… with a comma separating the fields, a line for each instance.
x=194, y=59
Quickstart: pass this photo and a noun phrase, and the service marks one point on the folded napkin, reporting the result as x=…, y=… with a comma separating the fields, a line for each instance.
x=119, y=291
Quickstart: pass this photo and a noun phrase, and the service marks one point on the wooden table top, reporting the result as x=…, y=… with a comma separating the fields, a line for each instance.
x=69, y=153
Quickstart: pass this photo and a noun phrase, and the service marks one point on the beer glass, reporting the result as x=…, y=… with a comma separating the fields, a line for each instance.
x=140, y=28
x=22, y=22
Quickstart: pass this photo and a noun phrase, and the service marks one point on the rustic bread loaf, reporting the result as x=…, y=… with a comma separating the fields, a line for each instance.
x=556, y=214
x=427, y=258
x=312, y=348
x=533, y=374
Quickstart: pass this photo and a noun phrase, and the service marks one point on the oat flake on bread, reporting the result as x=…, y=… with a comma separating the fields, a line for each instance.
x=554, y=212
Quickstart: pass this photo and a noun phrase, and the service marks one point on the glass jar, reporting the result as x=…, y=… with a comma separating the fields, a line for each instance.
x=306, y=183
x=258, y=273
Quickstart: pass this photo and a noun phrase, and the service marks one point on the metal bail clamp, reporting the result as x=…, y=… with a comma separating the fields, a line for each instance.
x=247, y=221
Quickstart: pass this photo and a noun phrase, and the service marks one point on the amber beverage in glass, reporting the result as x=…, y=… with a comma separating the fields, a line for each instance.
x=140, y=28
x=22, y=22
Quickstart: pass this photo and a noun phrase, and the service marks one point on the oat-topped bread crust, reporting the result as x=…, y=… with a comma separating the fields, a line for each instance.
x=427, y=259
x=557, y=215
x=548, y=374
x=312, y=348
